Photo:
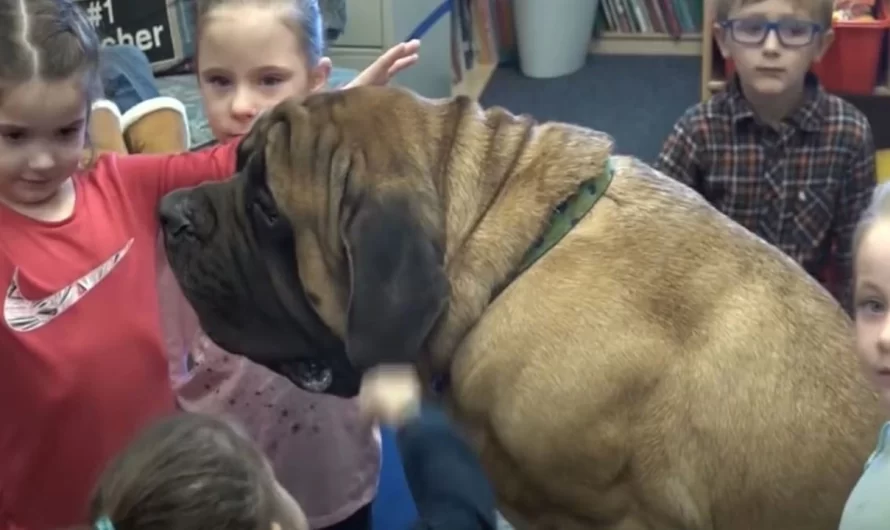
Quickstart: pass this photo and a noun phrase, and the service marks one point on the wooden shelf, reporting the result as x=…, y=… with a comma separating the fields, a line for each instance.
x=614, y=43
x=707, y=49
x=474, y=81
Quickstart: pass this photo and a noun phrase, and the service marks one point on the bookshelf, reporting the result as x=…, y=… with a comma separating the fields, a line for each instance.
x=617, y=43
x=482, y=37
x=474, y=81
x=709, y=84
x=649, y=27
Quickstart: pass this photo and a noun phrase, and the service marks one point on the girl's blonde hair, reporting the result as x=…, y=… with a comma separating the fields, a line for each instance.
x=303, y=17
x=878, y=210
x=189, y=472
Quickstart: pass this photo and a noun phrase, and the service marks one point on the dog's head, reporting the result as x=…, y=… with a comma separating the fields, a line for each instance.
x=322, y=257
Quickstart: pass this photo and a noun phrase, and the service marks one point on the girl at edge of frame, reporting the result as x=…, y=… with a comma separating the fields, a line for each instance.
x=867, y=508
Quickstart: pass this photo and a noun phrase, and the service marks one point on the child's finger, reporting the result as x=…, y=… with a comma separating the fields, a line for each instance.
x=393, y=54
x=403, y=63
x=412, y=46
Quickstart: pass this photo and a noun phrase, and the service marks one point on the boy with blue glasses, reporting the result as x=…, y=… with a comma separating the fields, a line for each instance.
x=774, y=151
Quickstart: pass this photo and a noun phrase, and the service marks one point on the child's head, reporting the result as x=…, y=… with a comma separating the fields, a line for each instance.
x=773, y=43
x=193, y=472
x=49, y=57
x=871, y=248
x=252, y=54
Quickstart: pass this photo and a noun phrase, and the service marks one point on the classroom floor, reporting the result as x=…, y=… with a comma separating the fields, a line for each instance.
x=636, y=99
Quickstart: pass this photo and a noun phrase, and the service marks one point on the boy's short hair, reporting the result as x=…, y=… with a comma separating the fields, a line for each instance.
x=820, y=10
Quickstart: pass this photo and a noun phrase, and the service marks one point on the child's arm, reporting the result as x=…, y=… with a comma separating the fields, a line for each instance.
x=445, y=477
x=179, y=324
x=856, y=191
x=398, y=58
x=150, y=177
x=680, y=158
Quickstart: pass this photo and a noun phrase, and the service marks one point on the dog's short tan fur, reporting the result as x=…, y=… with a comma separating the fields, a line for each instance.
x=659, y=368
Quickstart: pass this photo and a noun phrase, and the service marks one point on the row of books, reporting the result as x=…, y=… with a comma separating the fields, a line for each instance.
x=481, y=33
x=672, y=17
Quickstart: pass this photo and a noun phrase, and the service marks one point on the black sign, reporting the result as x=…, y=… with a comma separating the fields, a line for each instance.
x=145, y=24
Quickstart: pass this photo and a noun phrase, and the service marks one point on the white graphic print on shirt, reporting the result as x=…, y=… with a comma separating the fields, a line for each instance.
x=23, y=315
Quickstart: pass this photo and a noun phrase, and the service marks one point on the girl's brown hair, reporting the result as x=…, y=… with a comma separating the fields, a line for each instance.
x=189, y=472
x=303, y=17
x=50, y=40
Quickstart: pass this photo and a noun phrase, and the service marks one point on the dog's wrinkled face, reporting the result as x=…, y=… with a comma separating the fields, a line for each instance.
x=233, y=255
x=321, y=257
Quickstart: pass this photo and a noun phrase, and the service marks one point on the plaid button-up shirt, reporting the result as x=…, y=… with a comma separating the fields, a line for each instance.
x=801, y=186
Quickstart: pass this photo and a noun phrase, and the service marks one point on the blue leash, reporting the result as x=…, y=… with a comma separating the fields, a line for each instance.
x=426, y=24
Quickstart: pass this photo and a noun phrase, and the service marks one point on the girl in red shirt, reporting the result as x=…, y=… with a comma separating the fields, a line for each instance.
x=82, y=364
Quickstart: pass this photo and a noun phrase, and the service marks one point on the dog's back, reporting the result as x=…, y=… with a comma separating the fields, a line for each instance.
x=687, y=374
x=773, y=402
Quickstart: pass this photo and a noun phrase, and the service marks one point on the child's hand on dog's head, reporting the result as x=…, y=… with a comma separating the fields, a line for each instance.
x=391, y=394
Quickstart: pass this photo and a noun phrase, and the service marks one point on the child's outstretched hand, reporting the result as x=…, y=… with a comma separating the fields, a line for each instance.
x=445, y=478
x=391, y=395
x=399, y=57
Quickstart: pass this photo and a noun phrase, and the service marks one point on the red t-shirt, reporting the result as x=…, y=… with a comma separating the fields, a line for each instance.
x=82, y=362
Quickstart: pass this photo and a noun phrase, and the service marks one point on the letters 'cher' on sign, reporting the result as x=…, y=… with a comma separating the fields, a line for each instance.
x=160, y=28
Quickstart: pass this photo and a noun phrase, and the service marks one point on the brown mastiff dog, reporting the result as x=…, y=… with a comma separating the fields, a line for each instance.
x=622, y=356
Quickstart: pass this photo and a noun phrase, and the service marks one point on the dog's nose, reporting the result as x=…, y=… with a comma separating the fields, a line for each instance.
x=175, y=226
x=174, y=217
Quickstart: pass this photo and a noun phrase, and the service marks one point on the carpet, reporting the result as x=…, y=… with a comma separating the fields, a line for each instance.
x=636, y=99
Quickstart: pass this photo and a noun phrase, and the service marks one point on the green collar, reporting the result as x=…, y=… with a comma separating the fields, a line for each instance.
x=564, y=218
x=567, y=215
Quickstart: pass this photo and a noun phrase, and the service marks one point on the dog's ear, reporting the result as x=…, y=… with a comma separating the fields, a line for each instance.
x=255, y=167
x=242, y=152
x=398, y=284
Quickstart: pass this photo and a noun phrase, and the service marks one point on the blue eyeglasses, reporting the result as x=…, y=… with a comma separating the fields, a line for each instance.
x=754, y=31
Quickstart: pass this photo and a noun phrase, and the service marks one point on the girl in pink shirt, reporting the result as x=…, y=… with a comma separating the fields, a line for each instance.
x=252, y=54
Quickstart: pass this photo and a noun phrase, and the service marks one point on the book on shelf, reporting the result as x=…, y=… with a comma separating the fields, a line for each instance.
x=481, y=34
x=665, y=17
x=505, y=32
